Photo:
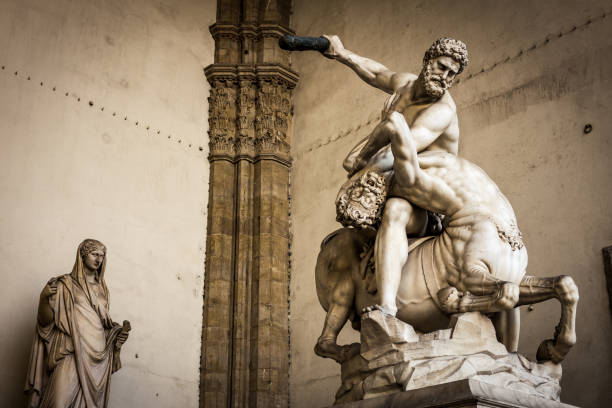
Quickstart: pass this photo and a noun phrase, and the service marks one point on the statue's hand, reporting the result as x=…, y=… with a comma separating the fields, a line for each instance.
x=122, y=338
x=50, y=289
x=335, y=48
x=123, y=334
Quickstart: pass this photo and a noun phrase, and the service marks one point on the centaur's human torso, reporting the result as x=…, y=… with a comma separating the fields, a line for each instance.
x=481, y=236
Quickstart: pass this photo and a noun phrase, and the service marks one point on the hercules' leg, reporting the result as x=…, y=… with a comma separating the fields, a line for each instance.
x=391, y=252
x=342, y=300
x=563, y=288
x=507, y=327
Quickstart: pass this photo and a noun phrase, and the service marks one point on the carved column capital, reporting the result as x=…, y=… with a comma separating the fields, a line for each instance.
x=250, y=110
x=221, y=116
x=278, y=73
x=247, y=81
x=274, y=110
x=273, y=117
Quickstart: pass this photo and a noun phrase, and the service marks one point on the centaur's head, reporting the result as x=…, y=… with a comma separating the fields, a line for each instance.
x=361, y=199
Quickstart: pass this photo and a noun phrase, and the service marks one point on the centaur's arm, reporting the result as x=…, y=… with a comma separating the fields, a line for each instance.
x=426, y=191
x=375, y=150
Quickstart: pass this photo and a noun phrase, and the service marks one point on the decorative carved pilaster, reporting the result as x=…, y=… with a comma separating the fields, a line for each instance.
x=221, y=118
x=250, y=111
x=272, y=122
x=245, y=338
x=245, y=143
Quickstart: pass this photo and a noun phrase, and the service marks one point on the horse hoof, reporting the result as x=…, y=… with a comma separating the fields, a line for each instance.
x=349, y=352
x=327, y=350
x=450, y=299
x=553, y=351
x=545, y=351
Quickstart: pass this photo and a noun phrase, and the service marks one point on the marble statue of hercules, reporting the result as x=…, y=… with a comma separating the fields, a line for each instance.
x=430, y=113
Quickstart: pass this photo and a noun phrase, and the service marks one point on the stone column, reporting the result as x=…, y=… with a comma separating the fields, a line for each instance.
x=245, y=338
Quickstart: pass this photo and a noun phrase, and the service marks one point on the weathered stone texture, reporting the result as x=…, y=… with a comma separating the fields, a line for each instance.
x=245, y=342
x=466, y=393
x=394, y=358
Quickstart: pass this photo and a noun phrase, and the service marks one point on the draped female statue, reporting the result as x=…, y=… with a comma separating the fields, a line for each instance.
x=76, y=345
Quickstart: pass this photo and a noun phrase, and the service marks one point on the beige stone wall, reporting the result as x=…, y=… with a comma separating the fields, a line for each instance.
x=69, y=171
x=522, y=121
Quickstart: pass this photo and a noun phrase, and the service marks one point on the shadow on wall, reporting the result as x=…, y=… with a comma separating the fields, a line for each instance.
x=19, y=346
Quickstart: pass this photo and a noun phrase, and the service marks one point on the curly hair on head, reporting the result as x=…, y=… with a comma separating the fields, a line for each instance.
x=450, y=47
x=89, y=245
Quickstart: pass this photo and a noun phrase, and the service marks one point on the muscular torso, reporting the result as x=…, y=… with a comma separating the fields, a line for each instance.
x=404, y=102
x=482, y=234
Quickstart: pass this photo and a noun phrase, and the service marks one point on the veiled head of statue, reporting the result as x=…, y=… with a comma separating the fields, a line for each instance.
x=92, y=252
x=443, y=61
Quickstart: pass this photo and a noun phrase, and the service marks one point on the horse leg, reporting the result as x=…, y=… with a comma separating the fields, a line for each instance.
x=563, y=288
x=483, y=293
x=340, y=307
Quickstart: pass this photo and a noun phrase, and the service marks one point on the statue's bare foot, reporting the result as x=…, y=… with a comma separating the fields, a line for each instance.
x=329, y=349
x=385, y=310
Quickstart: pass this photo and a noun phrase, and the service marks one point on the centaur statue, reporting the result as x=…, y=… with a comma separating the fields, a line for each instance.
x=478, y=263
x=404, y=173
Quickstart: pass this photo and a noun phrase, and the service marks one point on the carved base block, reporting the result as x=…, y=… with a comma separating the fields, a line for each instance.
x=466, y=393
x=394, y=358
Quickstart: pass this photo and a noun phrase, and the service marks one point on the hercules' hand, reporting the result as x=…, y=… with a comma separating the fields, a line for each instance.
x=335, y=48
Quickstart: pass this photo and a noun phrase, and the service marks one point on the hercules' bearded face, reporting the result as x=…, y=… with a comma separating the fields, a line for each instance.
x=438, y=75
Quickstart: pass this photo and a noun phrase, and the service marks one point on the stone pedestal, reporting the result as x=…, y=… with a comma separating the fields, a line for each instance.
x=466, y=393
x=394, y=359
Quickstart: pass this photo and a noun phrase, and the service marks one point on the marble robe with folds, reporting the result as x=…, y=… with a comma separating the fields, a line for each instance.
x=73, y=357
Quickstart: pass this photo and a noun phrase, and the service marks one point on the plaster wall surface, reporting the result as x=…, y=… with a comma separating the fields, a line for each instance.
x=521, y=120
x=93, y=164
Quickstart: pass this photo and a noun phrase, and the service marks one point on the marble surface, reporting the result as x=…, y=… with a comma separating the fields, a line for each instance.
x=395, y=358
x=465, y=393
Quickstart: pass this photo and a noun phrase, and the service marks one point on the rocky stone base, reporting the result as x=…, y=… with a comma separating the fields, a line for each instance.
x=467, y=393
x=394, y=358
